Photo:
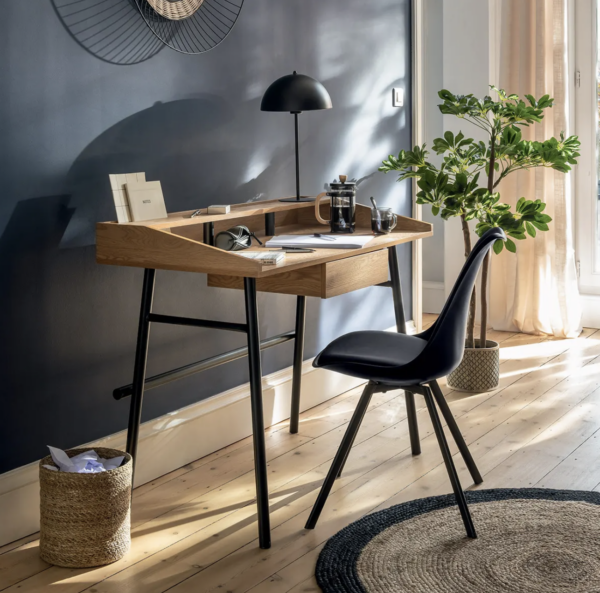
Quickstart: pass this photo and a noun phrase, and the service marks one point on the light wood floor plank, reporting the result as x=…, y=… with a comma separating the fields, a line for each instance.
x=229, y=584
x=578, y=471
x=195, y=529
x=182, y=521
x=500, y=443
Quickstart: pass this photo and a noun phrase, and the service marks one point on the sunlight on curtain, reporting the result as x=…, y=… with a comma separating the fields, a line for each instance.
x=535, y=290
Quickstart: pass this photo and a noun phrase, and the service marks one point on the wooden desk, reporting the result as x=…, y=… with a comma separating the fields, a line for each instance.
x=187, y=244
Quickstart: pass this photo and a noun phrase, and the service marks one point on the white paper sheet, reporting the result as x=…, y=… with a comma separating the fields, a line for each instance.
x=88, y=462
x=323, y=241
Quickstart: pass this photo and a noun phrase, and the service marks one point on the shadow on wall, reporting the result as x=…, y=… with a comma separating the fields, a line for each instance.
x=28, y=248
x=188, y=145
x=168, y=143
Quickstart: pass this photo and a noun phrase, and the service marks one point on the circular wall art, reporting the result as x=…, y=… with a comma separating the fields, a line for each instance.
x=190, y=26
x=111, y=30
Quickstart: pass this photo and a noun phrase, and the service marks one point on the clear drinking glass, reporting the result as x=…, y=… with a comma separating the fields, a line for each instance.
x=383, y=220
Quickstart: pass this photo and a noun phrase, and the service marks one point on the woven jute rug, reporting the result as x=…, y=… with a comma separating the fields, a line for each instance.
x=529, y=541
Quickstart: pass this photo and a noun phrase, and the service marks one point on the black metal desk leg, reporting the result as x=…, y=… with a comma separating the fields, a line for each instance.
x=298, y=358
x=258, y=425
x=396, y=289
x=411, y=410
x=139, y=369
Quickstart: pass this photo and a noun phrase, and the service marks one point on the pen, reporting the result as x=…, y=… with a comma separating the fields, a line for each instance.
x=297, y=250
x=324, y=237
x=195, y=214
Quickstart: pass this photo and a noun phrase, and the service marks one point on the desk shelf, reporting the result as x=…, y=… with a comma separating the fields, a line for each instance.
x=177, y=243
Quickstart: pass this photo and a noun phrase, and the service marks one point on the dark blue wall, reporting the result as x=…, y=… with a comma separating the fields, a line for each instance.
x=68, y=119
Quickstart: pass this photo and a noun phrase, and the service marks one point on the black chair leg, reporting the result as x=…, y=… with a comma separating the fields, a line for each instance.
x=458, y=437
x=341, y=455
x=349, y=448
x=458, y=492
x=413, y=427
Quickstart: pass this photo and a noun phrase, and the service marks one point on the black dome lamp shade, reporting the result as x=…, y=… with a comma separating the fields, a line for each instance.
x=295, y=93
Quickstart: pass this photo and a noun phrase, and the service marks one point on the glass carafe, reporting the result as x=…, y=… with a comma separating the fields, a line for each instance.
x=343, y=206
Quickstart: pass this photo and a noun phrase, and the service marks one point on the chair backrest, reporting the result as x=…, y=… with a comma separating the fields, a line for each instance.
x=446, y=338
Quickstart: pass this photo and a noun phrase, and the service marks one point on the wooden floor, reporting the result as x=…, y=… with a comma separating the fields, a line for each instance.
x=194, y=530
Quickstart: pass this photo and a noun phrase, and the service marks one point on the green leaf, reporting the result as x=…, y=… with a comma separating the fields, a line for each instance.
x=510, y=246
x=542, y=226
x=446, y=95
x=498, y=246
x=449, y=136
x=530, y=229
x=531, y=100
x=517, y=236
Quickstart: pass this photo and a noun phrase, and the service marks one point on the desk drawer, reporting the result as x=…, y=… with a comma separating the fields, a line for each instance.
x=323, y=280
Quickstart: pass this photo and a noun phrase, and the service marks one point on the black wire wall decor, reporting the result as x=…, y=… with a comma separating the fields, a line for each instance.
x=190, y=26
x=111, y=30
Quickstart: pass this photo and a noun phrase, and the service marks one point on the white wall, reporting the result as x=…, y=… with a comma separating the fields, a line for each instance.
x=466, y=70
x=433, y=127
x=456, y=56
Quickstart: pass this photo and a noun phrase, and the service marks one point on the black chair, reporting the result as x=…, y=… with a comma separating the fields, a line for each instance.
x=390, y=361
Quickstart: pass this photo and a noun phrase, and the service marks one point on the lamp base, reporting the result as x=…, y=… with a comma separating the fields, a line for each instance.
x=302, y=199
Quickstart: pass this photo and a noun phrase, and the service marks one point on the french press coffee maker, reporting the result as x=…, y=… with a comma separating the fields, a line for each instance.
x=343, y=206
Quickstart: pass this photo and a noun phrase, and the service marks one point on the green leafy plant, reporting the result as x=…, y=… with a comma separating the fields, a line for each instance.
x=454, y=188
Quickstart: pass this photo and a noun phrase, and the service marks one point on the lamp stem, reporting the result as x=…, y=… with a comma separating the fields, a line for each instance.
x=297, y=159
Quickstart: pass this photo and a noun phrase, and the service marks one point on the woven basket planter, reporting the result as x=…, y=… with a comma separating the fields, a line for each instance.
x=85, y=518
x=479, y=369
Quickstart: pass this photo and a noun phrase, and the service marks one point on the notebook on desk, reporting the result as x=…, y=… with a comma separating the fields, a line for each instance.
x=322, y=241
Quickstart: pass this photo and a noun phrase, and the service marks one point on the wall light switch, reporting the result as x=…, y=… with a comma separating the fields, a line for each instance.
x=398, y=97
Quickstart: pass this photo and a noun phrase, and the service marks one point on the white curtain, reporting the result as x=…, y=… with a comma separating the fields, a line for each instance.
x=535, y=290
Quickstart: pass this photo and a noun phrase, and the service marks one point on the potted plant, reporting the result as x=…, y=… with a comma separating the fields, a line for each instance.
x=453, y=189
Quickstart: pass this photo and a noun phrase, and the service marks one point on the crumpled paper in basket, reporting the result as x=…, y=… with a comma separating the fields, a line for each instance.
x=85, y=463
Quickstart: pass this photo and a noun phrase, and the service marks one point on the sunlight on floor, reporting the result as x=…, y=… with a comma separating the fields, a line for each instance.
x=195, y=530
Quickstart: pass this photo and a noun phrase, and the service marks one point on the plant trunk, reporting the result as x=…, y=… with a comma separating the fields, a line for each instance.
x=486, y=261
x=473, y=305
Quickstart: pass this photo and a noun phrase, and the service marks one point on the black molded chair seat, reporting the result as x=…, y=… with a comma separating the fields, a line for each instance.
x=370, y=355
x=388, y=361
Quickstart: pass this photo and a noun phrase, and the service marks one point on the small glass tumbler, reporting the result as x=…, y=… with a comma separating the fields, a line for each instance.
x=383, y=220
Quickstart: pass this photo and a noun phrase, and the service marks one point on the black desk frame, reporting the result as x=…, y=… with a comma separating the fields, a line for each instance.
x=251, y=329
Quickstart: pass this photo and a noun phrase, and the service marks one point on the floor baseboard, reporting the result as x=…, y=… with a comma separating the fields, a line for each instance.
x=434, y=297
x=590, y=306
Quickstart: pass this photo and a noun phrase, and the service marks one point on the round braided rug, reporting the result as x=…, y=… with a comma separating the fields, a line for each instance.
x=529, y=541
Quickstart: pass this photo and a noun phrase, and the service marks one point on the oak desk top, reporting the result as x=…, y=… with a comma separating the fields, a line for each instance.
x=177, y=242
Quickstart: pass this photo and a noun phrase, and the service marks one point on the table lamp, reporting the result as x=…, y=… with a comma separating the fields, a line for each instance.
x=295, y=93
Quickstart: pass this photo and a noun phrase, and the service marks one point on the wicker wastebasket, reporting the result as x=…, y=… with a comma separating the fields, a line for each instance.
x=85, y=518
